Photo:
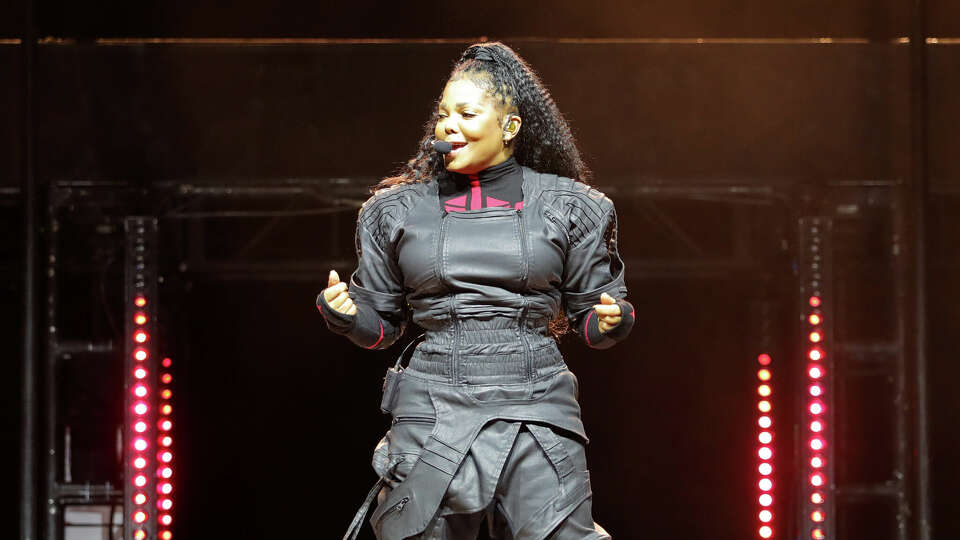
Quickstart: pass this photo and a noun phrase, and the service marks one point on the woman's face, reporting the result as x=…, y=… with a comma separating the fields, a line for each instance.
x=472, y=121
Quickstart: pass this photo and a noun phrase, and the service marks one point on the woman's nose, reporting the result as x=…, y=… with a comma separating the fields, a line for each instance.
x=449, y=127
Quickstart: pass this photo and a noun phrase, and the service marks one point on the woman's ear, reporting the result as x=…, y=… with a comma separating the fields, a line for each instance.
x=511, y=127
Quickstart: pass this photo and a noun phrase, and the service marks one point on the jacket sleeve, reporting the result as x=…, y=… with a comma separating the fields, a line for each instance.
x=376, y=286
x=593, y=266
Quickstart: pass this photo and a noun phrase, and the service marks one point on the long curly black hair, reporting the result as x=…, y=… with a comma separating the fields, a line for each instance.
x=545, y=143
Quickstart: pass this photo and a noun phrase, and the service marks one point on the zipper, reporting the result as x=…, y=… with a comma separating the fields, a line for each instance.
x=439, y=257
x=414, y=419
x=525, y=265
x=397, y=507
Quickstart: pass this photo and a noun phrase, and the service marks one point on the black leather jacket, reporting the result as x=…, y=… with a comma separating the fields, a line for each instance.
x=416, y=260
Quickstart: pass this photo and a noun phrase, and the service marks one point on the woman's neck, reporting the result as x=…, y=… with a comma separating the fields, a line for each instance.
x=493, y=172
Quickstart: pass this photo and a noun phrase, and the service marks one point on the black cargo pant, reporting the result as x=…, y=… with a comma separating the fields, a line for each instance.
x=508, y=503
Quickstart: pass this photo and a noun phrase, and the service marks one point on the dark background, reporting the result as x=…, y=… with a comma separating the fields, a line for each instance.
x=277, y=418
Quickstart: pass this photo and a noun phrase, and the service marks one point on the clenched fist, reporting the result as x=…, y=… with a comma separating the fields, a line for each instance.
x=608, y=312
x=337, y=296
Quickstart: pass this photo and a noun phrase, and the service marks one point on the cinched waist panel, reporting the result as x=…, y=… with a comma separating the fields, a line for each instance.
x=486, y=351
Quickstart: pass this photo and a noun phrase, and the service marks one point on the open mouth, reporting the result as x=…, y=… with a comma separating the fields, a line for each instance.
x=457, y=146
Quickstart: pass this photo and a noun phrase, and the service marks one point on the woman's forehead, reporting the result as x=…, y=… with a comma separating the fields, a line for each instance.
x=464, y=91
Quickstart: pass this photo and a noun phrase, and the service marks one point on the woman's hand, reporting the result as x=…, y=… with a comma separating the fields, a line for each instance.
x=608, y=312
x=336, y=295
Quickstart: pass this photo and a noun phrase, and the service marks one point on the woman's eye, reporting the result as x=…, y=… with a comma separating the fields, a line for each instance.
x=468, y=115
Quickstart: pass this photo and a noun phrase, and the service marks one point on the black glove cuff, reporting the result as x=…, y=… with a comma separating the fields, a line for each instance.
x=604, y=340
x=337, y=322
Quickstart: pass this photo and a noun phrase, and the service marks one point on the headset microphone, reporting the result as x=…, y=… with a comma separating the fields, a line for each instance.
x=442, y=146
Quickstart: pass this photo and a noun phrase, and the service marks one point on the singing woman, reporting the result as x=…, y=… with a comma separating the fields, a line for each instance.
x=495, y=248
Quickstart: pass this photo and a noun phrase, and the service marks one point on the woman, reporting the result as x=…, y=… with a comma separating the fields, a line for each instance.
x=491, y=248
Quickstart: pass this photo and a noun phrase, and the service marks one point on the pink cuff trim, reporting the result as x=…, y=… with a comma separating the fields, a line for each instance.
x=381, y=336
x=586, y=326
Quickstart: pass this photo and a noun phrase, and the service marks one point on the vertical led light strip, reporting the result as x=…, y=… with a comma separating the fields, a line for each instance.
x=817, y=516
x=765, y=454
x=165, y=453
x=140, y=465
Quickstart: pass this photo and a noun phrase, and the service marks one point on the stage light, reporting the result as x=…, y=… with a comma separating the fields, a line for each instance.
x=166, y=457
x=765, y=437
x=765, y=469
x=165, y=425
x=816, y=497
x=764, y=359
x=816, y=390
x=765, y=484
x=165, y=488
x=765, y=516
x=165, y=472
x=763, y=374
x=816, y=443
x=166, y=440
x=167, y=362
x=140, y=373
x=816, y=354
x=815, y=337
x=140, y=535
x=816, y=479
x=166, y=409
x=815, y=372
x=814, y=301
x=140, y=444
x=140, y=426
x=765, y=499
x=140, y=336
x=140, y=480
x=139, y=462
x=166, y=535
x=140, y=301
x=166, y=393
x=164, y=504
x=140, y=390
x=140, y=408
x=764, y=390
x=139, y=498
x=816, y=408
x=140, y=318
x=140, y=516
x=764, y=406
x=765, y=532
x=166, y=378
x=816, y=462
x=140, y=355
x=765, y=452
x=165, y=520
x=815, y=319
x=817, y=516
x=816, y=426
x=765, y=422
x=817, y=534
